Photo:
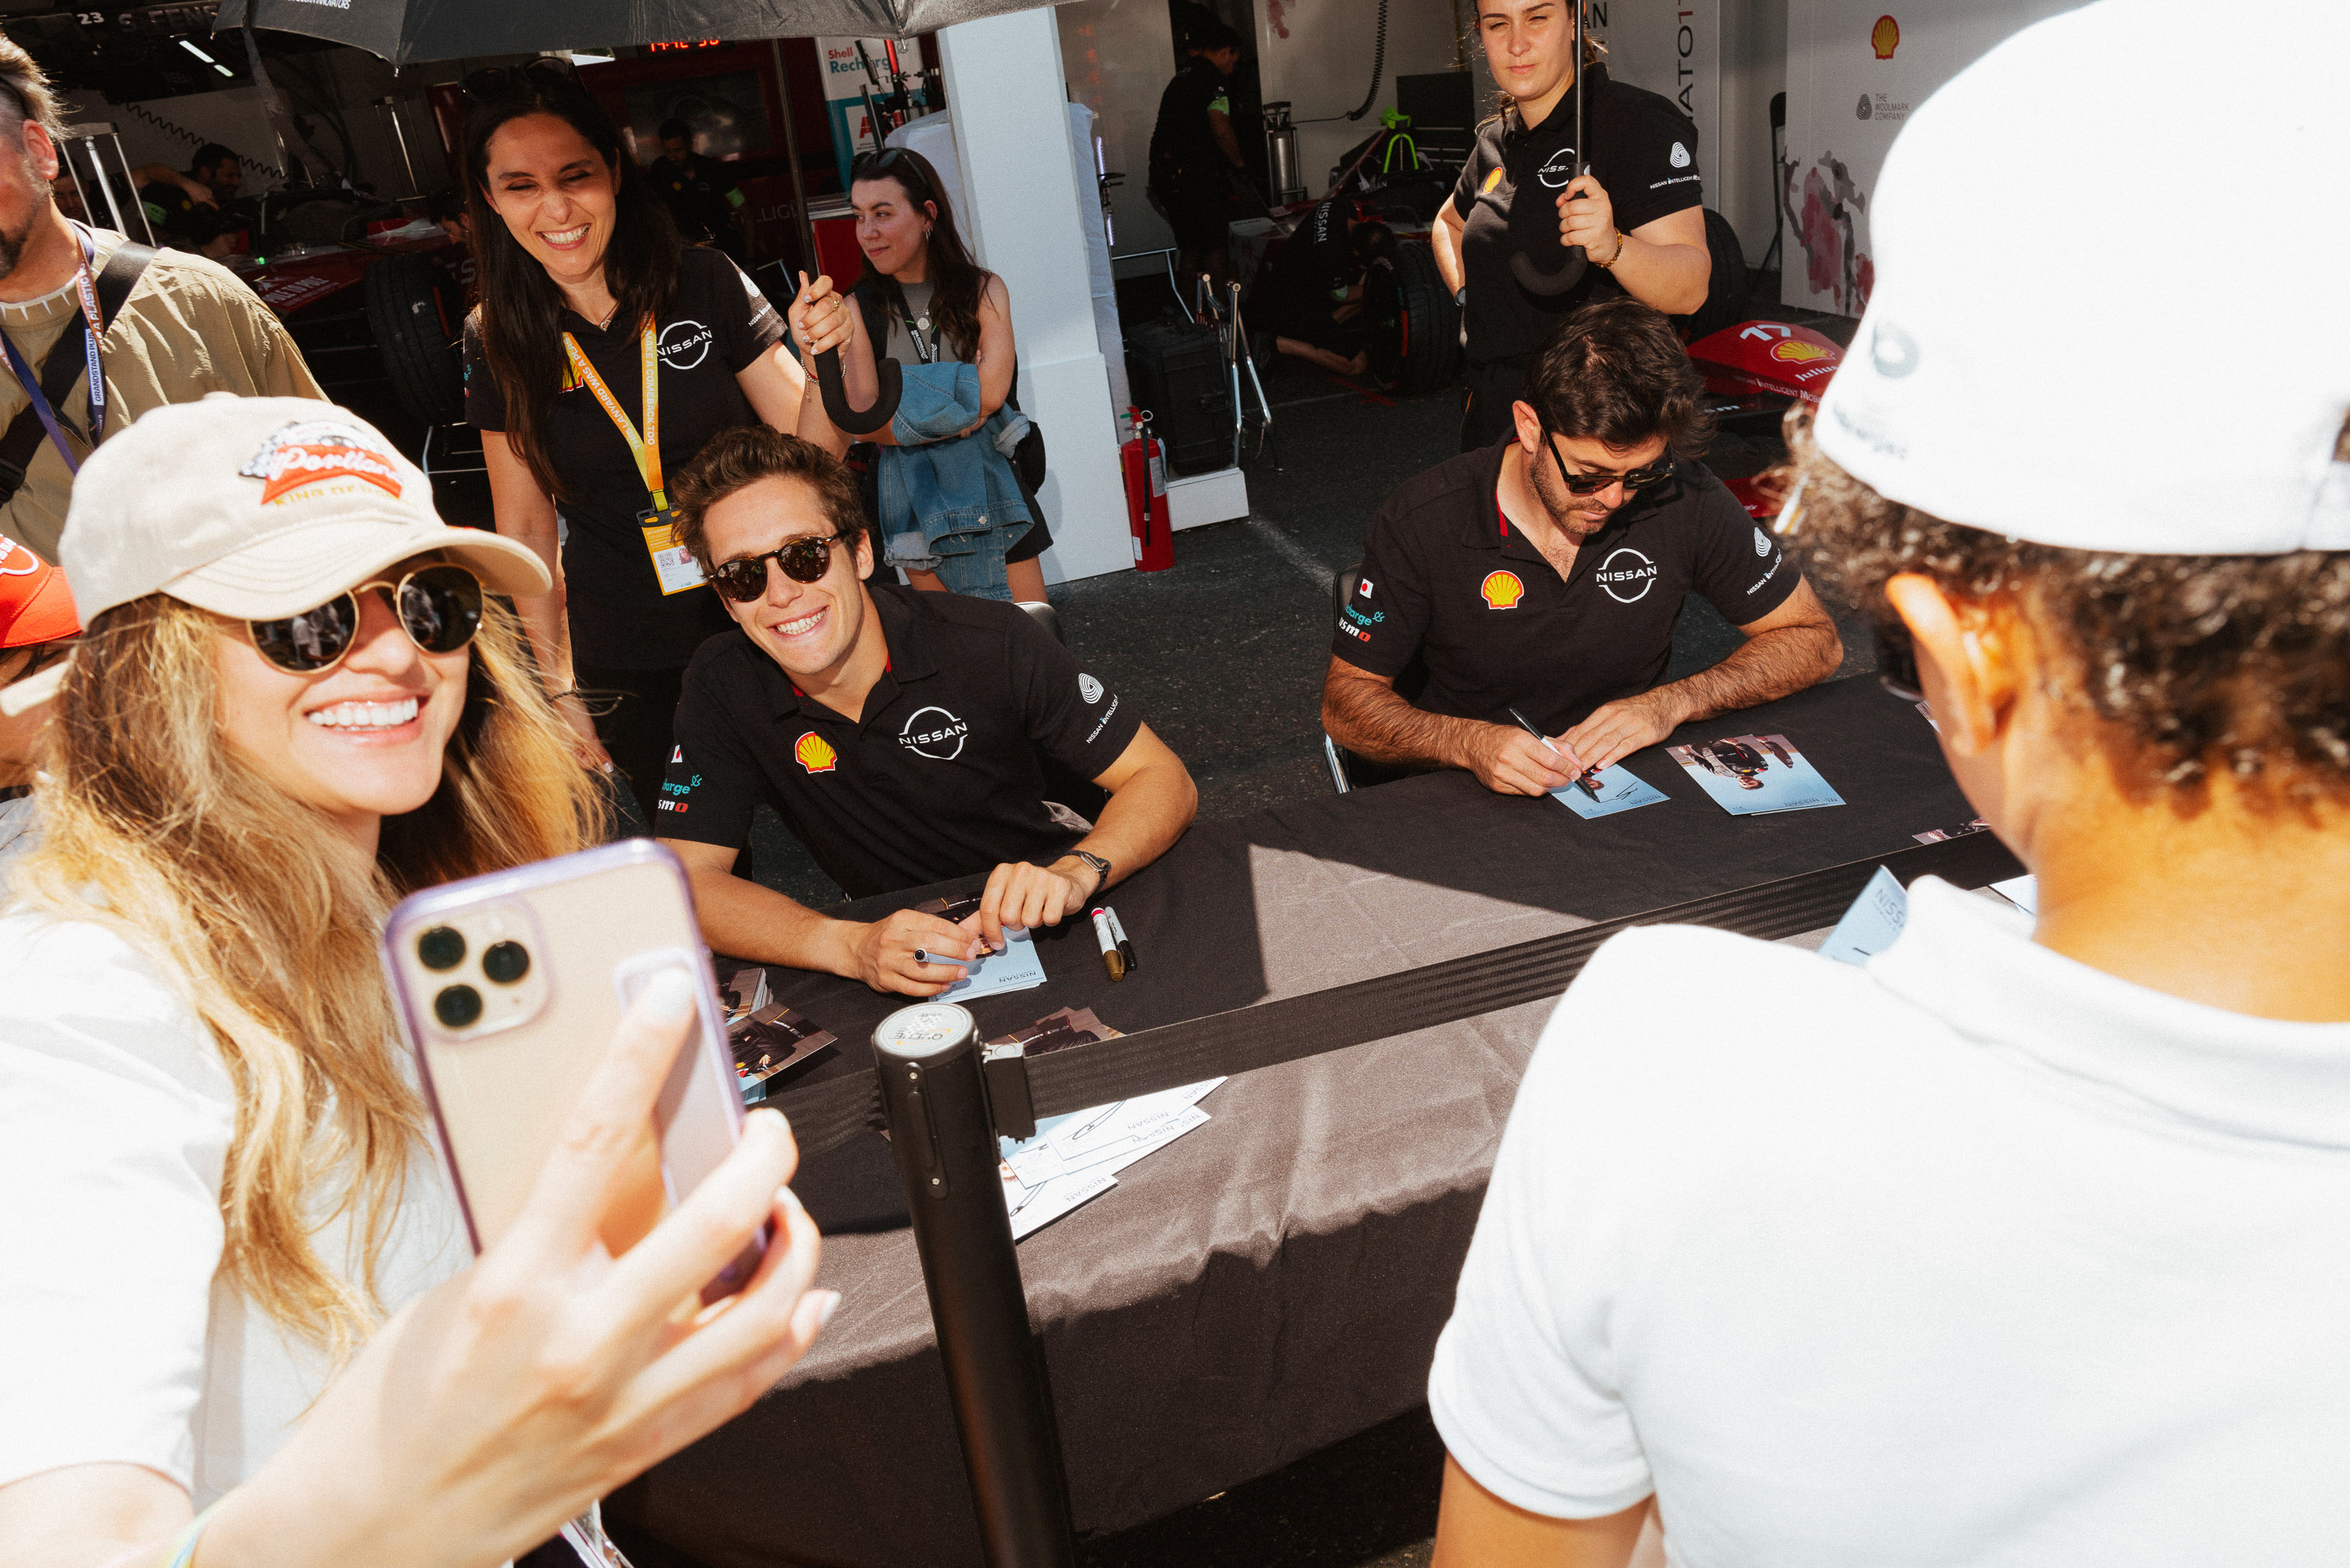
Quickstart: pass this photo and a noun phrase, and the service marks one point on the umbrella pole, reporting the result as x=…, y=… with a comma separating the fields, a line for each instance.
x=792, y=151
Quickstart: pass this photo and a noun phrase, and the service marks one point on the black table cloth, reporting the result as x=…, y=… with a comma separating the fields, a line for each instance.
x=1275, y=1281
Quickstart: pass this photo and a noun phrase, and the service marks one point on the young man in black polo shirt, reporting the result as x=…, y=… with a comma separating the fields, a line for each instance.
x=905, y=737
x=1546, y=574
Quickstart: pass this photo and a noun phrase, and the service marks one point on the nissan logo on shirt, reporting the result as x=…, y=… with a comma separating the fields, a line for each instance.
x=685, y=344
x=935, y=734
x=1558, y=169
x=1627, y=575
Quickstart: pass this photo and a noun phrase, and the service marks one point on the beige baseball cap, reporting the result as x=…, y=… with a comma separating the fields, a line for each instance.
x=256, y=509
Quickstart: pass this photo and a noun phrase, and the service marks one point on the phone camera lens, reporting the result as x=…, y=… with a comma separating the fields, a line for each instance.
x=440, y=947
x=457, y=1006
x=505, y=963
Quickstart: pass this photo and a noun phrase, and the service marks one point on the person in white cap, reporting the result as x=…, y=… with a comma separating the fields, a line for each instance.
x=2024, y=1243
x=292, y=701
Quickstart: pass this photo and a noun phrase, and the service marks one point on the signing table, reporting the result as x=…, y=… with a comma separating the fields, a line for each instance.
x=1275, y=1281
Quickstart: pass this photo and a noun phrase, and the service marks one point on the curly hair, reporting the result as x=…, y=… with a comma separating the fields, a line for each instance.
x=2193, y=663
x=1616, y=371
x=734, y=459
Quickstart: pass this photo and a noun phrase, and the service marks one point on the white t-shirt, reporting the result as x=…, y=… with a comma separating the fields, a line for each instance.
x=116, y=1341
x=1976, y=1256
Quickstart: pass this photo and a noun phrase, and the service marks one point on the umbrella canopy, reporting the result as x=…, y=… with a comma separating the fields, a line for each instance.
x=405, y=30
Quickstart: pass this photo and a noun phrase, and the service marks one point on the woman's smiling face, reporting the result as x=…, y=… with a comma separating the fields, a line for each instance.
x=556, y=193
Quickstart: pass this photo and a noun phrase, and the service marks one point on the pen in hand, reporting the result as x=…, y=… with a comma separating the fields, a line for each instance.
x=1585, y=780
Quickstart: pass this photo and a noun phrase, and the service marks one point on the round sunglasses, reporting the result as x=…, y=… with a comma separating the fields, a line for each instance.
x=804, y=560
x=440, y=608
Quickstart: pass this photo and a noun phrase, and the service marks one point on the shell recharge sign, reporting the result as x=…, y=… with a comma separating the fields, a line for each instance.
x=1854, y=73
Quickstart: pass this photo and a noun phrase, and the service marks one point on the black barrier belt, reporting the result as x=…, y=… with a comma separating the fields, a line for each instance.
x=824, y=1115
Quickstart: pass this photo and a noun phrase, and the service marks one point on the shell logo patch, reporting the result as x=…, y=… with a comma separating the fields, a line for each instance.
x=1501, y=590
x=311, y=452
x=1490, y=181
x=815, y=754
x=1885, y=38
x=1795, y=351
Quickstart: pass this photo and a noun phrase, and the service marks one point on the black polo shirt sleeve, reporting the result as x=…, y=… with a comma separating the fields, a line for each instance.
x=712, y=780
x=1483, y=158
x=1738, y=566
x=1068, y=714
x=485, y=401
x=1382, y=622
x=1652, y=162
x=746, y=334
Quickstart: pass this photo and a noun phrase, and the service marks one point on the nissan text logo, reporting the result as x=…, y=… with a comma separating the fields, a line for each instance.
x=935, y=734
x=685, y=344
x=1627, y=575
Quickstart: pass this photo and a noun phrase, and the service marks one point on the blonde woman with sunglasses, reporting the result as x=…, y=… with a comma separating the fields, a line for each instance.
x=237, y=1300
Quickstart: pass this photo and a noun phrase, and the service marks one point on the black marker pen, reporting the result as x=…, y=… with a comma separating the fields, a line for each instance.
x=1118, y=929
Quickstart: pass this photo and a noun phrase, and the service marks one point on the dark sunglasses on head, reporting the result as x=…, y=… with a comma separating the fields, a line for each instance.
x=1592, y=483
x=804, y=560
x=894, y=162
x=440, y=608
x=1896, y=658
x=493, y=81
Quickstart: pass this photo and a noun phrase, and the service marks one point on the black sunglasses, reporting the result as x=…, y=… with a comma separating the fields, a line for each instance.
x=493, y=81
x=804, y=560
x=873, y=165
x=440, y=608
x=1897, y=658
x=1593, y=483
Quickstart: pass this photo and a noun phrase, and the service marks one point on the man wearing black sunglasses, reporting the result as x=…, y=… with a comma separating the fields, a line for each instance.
x=1547, y=574
x=906, y=738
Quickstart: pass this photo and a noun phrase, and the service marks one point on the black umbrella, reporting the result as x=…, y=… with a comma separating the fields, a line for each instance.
x=405, y=30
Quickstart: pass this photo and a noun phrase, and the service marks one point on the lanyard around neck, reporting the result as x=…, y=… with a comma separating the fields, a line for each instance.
x=644, y=448
x=86, y=291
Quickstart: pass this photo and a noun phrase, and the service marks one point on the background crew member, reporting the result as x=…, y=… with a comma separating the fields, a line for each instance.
x=197, y=211
x=216, y=1182
x=1638, y=214
x=187, y=327
x=699, y=192
x=1195, y=158
x=924, y=298
x=1314, y=296
x=905, y=737
x=2022, y=1244
x=583, y=278
x=1546, y=574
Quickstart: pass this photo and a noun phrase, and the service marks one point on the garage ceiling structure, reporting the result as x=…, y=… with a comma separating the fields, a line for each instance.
x=406, y=30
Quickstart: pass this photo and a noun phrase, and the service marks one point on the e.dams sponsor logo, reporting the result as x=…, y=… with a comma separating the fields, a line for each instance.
x=1627, y=575
x=1501, y=590
x=815, y=754
x=935, y=734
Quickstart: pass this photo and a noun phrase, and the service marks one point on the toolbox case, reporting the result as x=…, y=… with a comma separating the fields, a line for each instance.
x=1177, y=371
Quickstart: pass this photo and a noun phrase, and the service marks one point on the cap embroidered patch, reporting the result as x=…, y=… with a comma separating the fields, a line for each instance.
x=815, y=754
x=1501, y=590
x=311, y=452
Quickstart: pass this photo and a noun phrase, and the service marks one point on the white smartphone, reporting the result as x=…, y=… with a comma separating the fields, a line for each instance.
x=509, y=986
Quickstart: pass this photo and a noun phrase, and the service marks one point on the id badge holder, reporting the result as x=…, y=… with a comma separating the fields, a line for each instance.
x=673, y=564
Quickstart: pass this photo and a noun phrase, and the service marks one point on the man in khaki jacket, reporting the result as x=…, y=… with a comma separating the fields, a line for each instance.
x=187, y=327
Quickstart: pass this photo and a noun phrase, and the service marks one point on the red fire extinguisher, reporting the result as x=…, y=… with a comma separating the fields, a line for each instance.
x=1144, y=460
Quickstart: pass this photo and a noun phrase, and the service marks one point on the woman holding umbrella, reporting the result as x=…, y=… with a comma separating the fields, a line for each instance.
x=605, y=353
x=1539, y=225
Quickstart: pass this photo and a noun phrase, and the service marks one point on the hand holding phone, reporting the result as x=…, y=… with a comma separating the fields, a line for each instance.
x=495, y=1407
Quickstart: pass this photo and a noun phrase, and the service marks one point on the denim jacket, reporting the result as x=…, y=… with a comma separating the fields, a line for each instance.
x=960, y=495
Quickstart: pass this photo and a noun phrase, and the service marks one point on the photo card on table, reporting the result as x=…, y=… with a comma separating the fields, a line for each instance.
x=1753, y=775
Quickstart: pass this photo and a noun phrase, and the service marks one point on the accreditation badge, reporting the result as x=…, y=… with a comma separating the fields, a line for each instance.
x=673, y=564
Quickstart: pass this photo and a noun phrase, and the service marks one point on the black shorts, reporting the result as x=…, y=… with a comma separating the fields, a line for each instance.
x=1322, y=329
x=1200, y=206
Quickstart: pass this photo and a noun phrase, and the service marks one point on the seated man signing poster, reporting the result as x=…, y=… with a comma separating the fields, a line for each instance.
x=906, y=738
x=1545, y=573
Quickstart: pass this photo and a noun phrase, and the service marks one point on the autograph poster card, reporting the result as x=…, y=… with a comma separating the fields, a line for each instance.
x=1752, y=776
x=1609, y=791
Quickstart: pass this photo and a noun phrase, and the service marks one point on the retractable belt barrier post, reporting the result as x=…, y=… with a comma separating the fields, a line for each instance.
x=944, y=1138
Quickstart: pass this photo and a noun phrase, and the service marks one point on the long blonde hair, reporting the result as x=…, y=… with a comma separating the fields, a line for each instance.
x=252, y=901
